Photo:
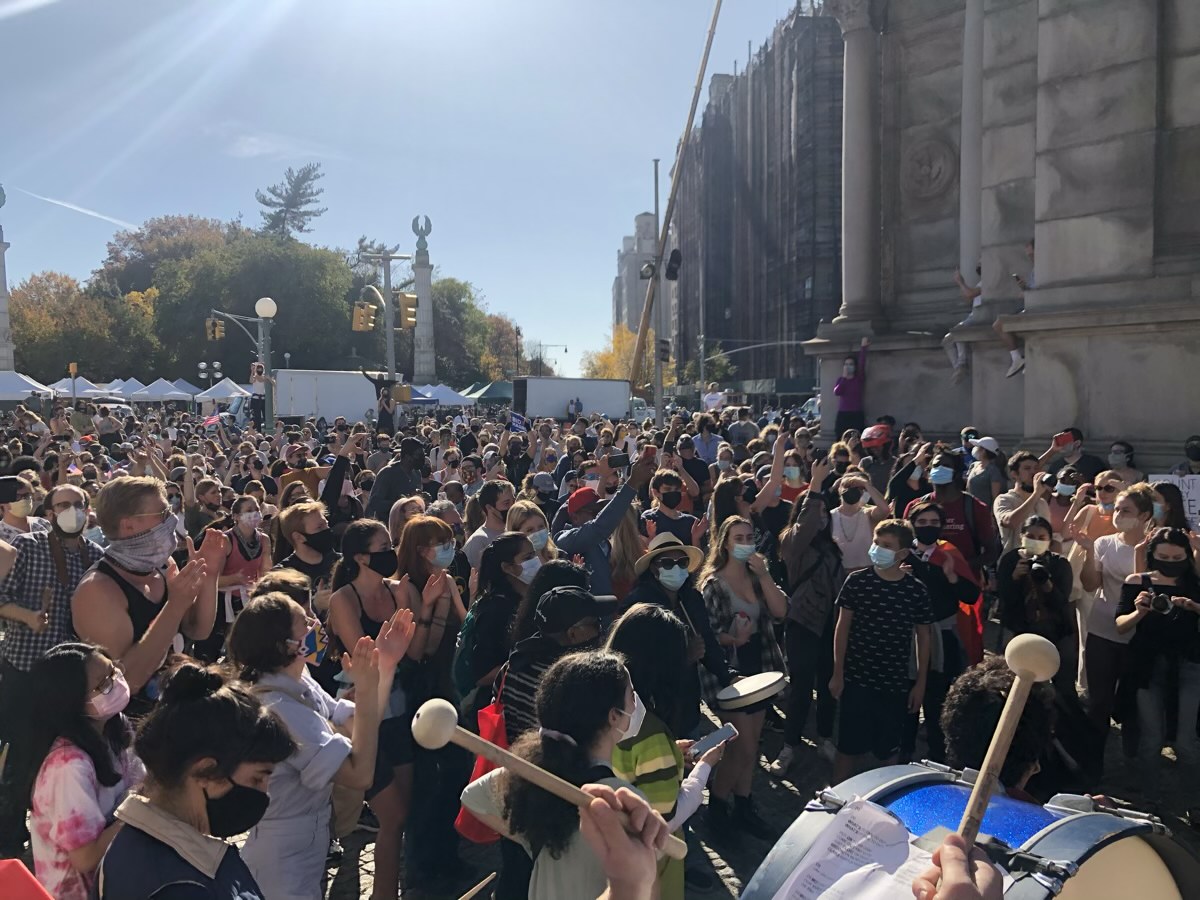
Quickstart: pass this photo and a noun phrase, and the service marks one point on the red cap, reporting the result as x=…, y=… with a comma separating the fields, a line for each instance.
x=581, y=499
x=876, y=436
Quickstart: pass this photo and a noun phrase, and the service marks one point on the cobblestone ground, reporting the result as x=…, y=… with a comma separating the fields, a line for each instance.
x=780, y=802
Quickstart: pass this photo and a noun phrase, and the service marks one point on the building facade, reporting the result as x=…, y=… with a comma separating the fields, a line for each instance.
x=629, y=288
x=758, y=214
x=972, y=126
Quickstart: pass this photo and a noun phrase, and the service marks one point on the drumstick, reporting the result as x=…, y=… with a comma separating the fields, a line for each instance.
x=1032, y=658
x=436, y=724
x=479, y=887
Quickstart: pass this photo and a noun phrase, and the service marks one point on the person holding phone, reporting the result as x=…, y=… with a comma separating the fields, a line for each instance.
x=259, y=379
x=1066, y=449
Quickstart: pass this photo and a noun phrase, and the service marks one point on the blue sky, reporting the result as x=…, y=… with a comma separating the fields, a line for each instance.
x=524, y=129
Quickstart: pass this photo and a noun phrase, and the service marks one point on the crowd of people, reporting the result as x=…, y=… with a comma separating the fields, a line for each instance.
x=212, y=633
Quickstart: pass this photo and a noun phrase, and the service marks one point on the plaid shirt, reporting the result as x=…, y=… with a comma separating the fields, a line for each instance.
x=720, y=615
x=34, y=576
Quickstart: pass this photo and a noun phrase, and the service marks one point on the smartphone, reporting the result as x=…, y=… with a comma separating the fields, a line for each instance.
x=819, y=453
x=1063, y=439
x=650, y=450
x=725, y=733
x=617, y=460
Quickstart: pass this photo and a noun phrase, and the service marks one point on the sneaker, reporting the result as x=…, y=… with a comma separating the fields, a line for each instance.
x=1017, y=365
x=783, y=762
x=827, y=751
x=745, y=815
x=334, y=856
x=367, y=821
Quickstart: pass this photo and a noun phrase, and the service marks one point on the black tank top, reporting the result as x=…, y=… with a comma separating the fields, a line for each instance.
x=370, y=627
x=142, y=613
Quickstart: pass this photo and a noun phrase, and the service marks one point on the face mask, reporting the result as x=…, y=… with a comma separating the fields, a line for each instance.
x=21, y=508
x=320, y=541
x=635, y=718
x=529, y=568
x=95, y=534
x=539, y=539
x=148, y=551
x=384, y=562
x=444, y=555
x=1193, y=452
x=850, y=496
x=103, y=707
x=724, y=465
x=1034, y=546
x=1065, y=490
x=791, y=473
x=236, y=812
x=673, y=578
x=743, y=552
x=1106, y=507
x=175, y=502
x=840, y=466
x=1117, y=460
x=1160, y=511
x=671, y=499
x=250, y=519
x=941, y=475
x=928, y=534
x=71, y=521
x=882, y=556
x=917, y=472
x=1171, y=568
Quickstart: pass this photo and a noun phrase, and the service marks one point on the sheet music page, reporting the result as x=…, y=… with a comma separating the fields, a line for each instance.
x=864, y=854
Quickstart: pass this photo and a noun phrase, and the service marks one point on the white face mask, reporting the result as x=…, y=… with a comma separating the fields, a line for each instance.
x=71, y=520
x=529, y=568
x=250, y=519
x=635, y=718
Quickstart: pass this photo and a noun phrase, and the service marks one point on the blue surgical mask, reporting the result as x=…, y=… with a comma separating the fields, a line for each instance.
x=1065, y=490
x=444, y=555
x=529, y=568
x=539, y=539
x=882, y=556
x=743, y=552
x=1160, y=511
x=941, y=475
x=1106, y=507
x=673, y=578
x=791, y=473
x=724, y=464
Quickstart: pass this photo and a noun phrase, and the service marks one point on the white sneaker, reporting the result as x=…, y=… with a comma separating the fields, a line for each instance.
x=1017, y=365
x=783, y=762
x=827, y=750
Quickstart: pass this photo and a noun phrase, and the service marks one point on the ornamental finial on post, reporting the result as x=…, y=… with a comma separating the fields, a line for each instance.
x=422, y=231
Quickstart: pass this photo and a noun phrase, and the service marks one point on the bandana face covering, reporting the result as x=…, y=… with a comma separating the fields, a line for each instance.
x=146, y=552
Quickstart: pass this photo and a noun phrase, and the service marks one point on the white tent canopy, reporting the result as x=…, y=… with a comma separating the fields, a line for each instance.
x=131, y=385
x=15, y=386
x=157, y=391
x=186, y=386
x=225, y=389
x=445, y=396
x=63, y=386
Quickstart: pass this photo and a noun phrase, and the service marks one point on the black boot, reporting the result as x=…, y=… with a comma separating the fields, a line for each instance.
x=720, y=819
x=745, y=815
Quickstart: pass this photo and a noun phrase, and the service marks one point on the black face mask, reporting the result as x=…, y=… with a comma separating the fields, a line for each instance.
x=928, y=534
x=750, y=493
x=366, y=486
x=610, y=489
x=320, y=541
x=1193, y=453
x=1171, y=568
x=852, y=495
x=384, y=562
x=671, y=499
x=840, y=467
x=236, y=812
x=1027, y=488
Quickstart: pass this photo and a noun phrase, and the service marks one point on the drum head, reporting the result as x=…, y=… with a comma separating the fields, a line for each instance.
x=750, y=690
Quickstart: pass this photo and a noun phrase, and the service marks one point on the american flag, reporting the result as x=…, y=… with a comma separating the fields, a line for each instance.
x=212, y=420
x=518, y=423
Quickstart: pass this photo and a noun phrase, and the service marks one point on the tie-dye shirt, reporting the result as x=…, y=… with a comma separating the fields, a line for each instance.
x=70, y=810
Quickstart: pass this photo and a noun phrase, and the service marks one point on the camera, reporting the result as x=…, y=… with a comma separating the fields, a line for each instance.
x=1039, y=572
x=1049, y=479
x=1161, y=603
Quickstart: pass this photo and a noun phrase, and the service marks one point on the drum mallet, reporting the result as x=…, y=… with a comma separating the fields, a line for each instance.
x=436, y=724
x=1031, y=658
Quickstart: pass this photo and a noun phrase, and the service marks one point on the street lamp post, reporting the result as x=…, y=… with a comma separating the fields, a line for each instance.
x=266, y=308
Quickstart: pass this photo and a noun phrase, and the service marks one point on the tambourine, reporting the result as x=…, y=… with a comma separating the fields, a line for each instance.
x=751, y=690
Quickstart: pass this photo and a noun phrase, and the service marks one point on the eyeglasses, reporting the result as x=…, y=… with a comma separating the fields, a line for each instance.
x=1107, y=489
x=109, y=680
x=161, y=515
x=671, y=562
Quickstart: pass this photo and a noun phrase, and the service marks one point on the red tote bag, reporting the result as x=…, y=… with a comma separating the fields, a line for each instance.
x=491, y=728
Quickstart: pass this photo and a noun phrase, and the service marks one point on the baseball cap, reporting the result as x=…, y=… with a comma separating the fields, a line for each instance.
x=561, y=607
x=581, y=499
x=990, y=444
x=293, y=449
x=411, y=445
x=544, y=481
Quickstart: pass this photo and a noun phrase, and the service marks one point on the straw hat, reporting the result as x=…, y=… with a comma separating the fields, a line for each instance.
x=668, y=543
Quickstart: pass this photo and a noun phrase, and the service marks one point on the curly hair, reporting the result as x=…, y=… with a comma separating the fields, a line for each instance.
x=972, y=711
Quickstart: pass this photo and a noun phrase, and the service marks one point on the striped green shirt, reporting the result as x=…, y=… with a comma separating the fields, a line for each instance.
x=653, y=763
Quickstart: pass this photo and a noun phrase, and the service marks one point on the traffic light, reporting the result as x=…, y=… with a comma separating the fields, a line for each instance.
x=402, y=393
x=408, y=311
x=220, y=327
x=214, y=329
x=664, y=350
x=364, y=316
x=672, y=273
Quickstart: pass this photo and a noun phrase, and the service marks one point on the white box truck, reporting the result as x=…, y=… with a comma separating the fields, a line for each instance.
x=541, y=397
x=320, y=392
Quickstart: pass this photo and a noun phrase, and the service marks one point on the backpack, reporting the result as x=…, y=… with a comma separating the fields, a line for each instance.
x=464, y=652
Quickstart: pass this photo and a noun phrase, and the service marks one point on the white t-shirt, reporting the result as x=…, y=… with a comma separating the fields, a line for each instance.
x=978, y=299
x=1115, y=561
x=715, y=400
x=853, y=535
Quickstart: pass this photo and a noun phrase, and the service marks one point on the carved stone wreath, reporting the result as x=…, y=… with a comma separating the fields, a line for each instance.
x=928, y=168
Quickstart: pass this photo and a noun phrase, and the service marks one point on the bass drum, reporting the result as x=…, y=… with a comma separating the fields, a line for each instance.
x=1117, y=858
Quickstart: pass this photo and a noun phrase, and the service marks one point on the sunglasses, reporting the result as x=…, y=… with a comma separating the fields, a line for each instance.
x=671, y=562
x=1107, y=489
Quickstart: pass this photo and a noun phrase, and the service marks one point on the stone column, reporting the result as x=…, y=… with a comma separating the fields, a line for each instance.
x=6, y=341
x=970, y=147
x=860, y=163
x=424, y=360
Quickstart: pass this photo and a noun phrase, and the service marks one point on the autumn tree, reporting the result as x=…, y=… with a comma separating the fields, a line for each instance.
x=290, y=206
x=615, y=360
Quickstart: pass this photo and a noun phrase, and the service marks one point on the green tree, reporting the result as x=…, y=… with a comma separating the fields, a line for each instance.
x=460, y=332
x=717, y=367
x=134, y=256
x=290, y=205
